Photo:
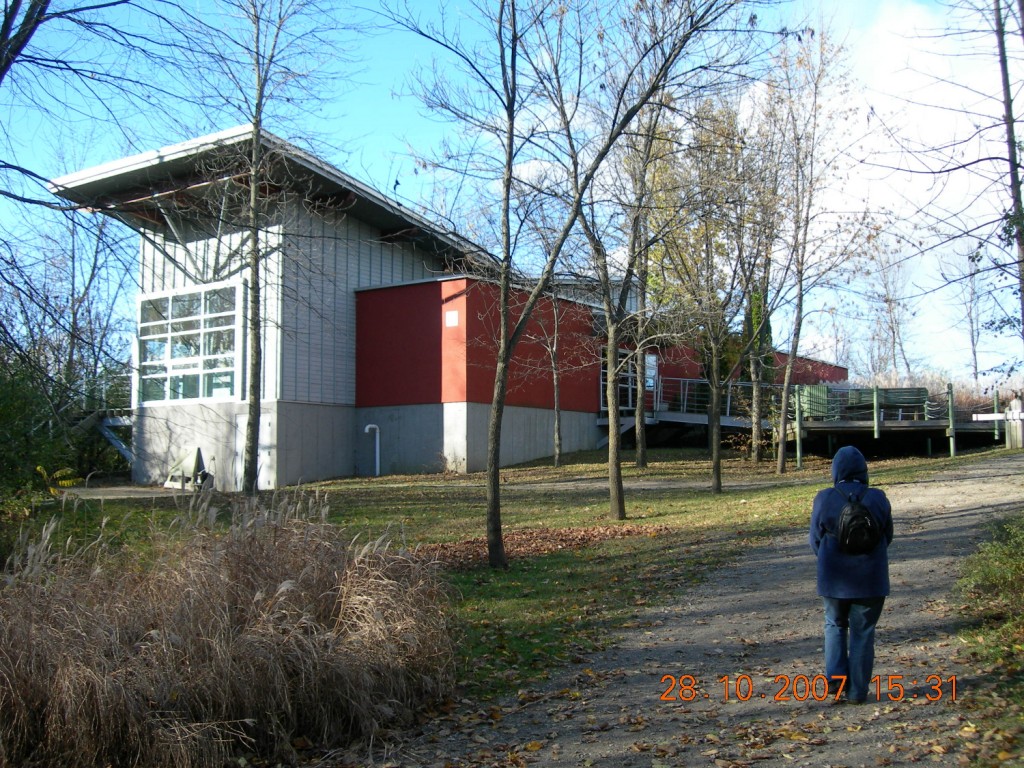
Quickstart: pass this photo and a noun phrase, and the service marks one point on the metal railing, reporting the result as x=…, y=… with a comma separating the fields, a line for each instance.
x=817, y=402
x=826, y=402
x=691, y=396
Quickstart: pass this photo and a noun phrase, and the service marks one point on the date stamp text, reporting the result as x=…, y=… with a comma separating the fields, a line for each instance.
x=687, y=688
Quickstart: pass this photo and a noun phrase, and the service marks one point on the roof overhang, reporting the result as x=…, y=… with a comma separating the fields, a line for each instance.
x=139, y=189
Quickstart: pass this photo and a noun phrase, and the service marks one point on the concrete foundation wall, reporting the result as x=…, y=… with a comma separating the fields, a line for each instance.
x=303, y=442
x=411, y=439
x=299, y=442
x=161, y=435
x=527, y=434
x=1014, y=434
x=456, y=452
x=316, y=440
x=453, y=437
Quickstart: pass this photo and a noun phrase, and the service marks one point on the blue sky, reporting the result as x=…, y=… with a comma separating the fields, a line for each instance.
x=894, y=57
x=374, y=126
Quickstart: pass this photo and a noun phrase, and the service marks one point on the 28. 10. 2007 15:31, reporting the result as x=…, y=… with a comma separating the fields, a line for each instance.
x=687, y=688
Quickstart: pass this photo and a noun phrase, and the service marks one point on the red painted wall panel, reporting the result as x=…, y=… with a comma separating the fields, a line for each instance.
x=436, y=343
x=807, y=371
x=681, y=363
x=454, y=328
x=530, y=383
x=398, y=346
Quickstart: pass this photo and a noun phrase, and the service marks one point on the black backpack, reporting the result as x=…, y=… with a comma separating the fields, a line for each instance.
x=858, y=532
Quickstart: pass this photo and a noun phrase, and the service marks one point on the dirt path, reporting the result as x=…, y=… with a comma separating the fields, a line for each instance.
x=760, y=622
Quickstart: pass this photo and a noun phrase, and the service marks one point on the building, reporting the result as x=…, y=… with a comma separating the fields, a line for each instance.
x=378, y=345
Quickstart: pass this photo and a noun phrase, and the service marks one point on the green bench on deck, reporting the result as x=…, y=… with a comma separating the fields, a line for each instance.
x=898, y=403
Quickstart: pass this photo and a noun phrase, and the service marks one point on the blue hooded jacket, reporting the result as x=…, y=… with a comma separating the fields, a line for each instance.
x=841, y=575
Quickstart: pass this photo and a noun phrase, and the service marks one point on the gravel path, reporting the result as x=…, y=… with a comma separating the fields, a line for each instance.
x=758, y=623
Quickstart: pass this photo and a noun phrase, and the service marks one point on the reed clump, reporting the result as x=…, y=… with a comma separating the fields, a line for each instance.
x=219, y=639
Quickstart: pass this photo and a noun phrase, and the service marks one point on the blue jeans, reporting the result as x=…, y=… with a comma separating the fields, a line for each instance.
x=850, y=641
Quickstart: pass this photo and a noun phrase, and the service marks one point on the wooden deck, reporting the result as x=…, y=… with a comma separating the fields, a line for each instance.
x=828, y=413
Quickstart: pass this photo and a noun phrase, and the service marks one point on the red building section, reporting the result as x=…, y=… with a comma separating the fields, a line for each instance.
x=682, y=363
x=436, y=342
x=398, y=346
x=808, y=371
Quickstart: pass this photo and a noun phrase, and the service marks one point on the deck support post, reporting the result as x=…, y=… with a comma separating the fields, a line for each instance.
x=799, y=429
x=951, y=406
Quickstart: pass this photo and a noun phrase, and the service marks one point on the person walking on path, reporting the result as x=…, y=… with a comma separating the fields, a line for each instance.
x=852, y=584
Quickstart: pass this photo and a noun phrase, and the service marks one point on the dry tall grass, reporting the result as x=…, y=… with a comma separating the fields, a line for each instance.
x=280, y=627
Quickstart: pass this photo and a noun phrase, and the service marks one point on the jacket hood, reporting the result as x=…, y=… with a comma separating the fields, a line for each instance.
x=849, y=464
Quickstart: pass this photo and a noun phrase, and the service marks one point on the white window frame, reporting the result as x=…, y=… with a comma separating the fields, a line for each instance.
x=179, y=334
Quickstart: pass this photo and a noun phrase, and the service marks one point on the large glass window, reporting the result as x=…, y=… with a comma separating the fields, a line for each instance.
x=188, y=344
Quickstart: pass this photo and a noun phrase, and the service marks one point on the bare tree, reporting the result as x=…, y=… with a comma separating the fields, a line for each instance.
x=63, y=64
x=763, y=168
x=705, y=261
x=963, y=272
x=533, y=76
x=555, y=328
x=90, y=67
x=975, y=170
x=621, y=230
x=643, y=154
x=1014, y=229
x=816, y=239
x=76, y=61
x=63, y=340
x=892, y=312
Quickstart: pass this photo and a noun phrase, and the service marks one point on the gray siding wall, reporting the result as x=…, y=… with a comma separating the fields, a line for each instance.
x=162, y=433
x=307, y=430
x=169, y=265
x=326, y=259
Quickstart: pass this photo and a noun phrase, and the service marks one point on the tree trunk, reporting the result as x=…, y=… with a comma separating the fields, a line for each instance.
x=640, y=416
x=640, y=411
x=715, y=422
x=556, y=383
x=558, y=423
x=616, y=494
x=250, y=470
x=788, y=377
x=495, y=543
x=1017, y=214
x=756, y=403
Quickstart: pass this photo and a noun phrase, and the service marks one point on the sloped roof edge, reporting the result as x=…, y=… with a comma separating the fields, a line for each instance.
x=98, y=187
x=71, y=185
